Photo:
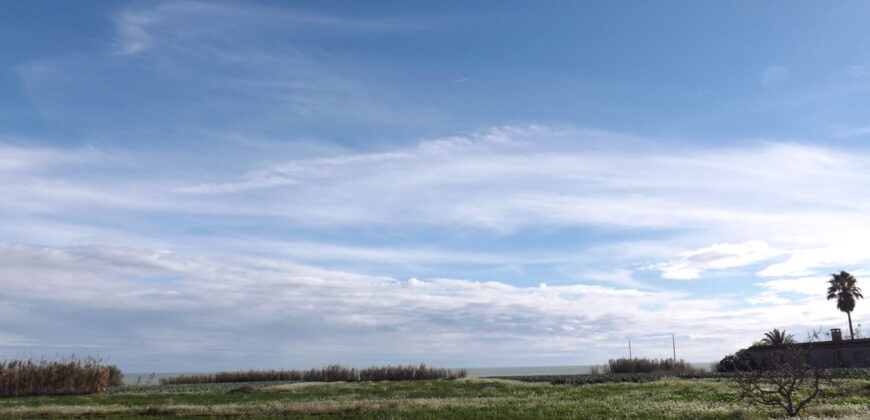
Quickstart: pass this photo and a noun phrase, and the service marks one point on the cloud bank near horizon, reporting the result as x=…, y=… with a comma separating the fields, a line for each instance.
x=165, y=310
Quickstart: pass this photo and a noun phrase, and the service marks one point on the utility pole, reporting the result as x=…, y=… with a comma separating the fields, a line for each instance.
x=629, y=349
x=674, y=343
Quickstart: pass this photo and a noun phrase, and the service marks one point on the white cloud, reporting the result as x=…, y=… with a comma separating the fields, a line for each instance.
x=620, y=277
x=321, y=251
x=766, y=298
x=753, y=203
x=25, y=159
x=534, y=177
x=133, y=31
x=770, y=200
x=716, y=257
x=172, y=24
x=843, y=252
x=194, y=69
x=814, y=286
x=291, y=173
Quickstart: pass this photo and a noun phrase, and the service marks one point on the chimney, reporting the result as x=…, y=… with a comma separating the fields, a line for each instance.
x=836, y=335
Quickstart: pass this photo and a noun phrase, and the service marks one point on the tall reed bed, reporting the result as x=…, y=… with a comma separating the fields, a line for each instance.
x=409, y=373
x=69, y=376
x=332, y=373
x=644, y=365
x=240, y=376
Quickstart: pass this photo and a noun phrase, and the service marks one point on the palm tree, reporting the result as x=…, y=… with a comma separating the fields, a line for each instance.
x=842, y=287
x=776, y=336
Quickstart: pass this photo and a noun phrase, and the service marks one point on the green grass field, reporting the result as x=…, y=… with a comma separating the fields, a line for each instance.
x=670, y=398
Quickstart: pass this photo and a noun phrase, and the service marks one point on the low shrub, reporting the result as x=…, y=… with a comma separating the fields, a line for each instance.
x=69, y=376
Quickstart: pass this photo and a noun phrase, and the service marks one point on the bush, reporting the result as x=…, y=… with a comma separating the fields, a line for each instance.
x=116, y=377
x=737, y=362
x=70, y=376
x=332, y=373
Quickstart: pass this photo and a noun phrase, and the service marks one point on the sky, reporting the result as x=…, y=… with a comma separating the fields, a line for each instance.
x=200, y=186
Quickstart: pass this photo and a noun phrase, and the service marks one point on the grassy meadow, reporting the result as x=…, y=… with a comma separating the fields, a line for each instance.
x=625, y=389
x=663, y=398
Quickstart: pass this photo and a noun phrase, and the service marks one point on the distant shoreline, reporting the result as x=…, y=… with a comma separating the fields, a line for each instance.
x=473, y=372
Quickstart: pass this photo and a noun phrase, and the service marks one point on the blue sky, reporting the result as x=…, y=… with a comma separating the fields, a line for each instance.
x=226, y=185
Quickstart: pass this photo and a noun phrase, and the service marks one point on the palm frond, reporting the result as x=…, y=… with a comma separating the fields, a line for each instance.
x=775, y=337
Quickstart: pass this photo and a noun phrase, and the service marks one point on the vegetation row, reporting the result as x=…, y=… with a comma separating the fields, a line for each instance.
x=69, y=376
x=645, y=365
x=332, y=373
x=587, y=379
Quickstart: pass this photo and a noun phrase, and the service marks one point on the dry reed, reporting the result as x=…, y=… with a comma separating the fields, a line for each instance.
x=69, y=376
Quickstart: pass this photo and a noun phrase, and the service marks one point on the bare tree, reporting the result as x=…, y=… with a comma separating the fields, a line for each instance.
x=788, y=379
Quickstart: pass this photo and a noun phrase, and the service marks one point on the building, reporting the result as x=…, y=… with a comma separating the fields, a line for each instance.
x=827, y=354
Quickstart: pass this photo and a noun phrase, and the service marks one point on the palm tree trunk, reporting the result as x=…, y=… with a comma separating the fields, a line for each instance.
x=851, y=331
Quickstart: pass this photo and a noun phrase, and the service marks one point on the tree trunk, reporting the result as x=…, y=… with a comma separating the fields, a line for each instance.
x=851, y=331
